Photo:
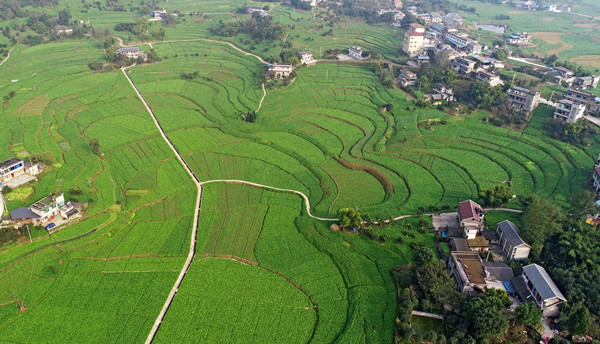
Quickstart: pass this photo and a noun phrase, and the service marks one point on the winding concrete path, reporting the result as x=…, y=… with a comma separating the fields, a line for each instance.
x=263, y=97
x=7, y=56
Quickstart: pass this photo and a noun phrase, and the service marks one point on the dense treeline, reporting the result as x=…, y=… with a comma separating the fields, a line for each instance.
x=260, y=28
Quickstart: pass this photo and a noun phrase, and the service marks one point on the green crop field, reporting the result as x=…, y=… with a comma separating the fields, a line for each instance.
x=264, y=270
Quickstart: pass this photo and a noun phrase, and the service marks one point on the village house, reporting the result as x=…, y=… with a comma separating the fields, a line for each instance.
x=539, y=288
x=596, y=176
x=413, y=42
x=581, y=97
x=436, y=17
x=569, y=111
x=412, y=10
x=463, y=66
x=11, y=168
x=459, y=40
x=526, y=5
x=158, y=15
x=279, y=70
x=252, y=9
x=417, y=27
x=424, y=17
x=306, y=57
x=438, y=27
x=586, y=82
x=561, y=75
x=45, y=210
x=472, y=275
x=132, y=53
x=440, y=93
x=452, y=20
x=406, y=78
x=522, y=98
x=63, y=30
x=490, y=77
x=470, y=218
x=474, y=48
x=488, y=62
x=356, y=52
x=510, y=241
x=557, y=8
x=519, y=38
x=398, y=15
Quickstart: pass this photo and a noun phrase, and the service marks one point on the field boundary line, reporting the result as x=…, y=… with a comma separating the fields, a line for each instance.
x=263, y=97
x=194, y=235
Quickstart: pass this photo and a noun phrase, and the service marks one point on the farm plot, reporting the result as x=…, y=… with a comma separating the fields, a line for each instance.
x=223, y=301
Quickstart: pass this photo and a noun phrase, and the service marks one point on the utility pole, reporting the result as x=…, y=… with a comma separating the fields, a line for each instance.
x=29, y=232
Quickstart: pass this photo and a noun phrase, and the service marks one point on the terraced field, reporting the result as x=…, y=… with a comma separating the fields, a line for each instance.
x=326, y=135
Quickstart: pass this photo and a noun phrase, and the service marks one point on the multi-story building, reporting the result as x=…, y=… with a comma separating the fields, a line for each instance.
x=413, y=42
x=306, y=57
x=406, y=78
x=132, y=53
x=356, y=52
x=522, y=98
x=470, y=218
x=581, y=97
x=490, y=77
x=10, y=169
x=48, y=207
x=586, y=82
x=463, y=65
x=279, y=70
x=452, y=20
x=510, y=241
x=519, y=38
x=569, y=111
x=458, y=40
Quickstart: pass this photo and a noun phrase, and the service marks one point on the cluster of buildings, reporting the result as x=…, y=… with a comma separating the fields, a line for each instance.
x=158, y=15
x=283, y=70
x=470, y=240
x=572, y=107
x=49, y=212
x=522, y=39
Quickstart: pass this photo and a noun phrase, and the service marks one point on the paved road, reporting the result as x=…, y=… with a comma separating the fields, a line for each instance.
x=525, y=61
x=593, y=119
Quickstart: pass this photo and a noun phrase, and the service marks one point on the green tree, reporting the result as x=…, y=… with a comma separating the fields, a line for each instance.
x=582, y=204
x=497, y=195
x=542, y=219
x=349, y=218
x=423, y=257
x=498, y=298
x=485, y=319
x=529, y=314
x=64, y=17
x=577, y=319
x=95, y=146
x=433, y=279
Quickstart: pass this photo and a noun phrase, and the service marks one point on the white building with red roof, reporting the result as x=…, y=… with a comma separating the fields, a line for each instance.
x=470, y=218
x=413, y=42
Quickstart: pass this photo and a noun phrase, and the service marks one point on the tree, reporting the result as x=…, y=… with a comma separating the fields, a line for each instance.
x=433, y=279
x=485, y=319
x=498, y=298
x=497, y=195
x=349, y=218
x=423, y=257
x=529, y=314
x=64, y=17
x=577, y=319
x=500, y=54
x=582, y=204
x=551, y=60
x=542, y=219
x=95, y=146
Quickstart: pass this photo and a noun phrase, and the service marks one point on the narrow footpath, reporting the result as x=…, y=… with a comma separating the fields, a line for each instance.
x=7, y=56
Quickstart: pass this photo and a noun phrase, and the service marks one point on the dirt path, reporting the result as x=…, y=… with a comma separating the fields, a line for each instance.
x=192, y=40
x=263, y=97
x=7, y=56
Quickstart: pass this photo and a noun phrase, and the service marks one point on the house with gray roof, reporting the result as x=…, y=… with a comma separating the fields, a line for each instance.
x=510, y=241
x=541, y=289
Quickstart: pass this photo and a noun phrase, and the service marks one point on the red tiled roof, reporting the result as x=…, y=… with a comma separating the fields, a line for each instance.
x=414, y=33
x=468, y=210
x=597, y=169
x=417, y=26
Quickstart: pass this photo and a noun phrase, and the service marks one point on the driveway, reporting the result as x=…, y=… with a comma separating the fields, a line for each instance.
x=19, y=180
x=443, y=221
